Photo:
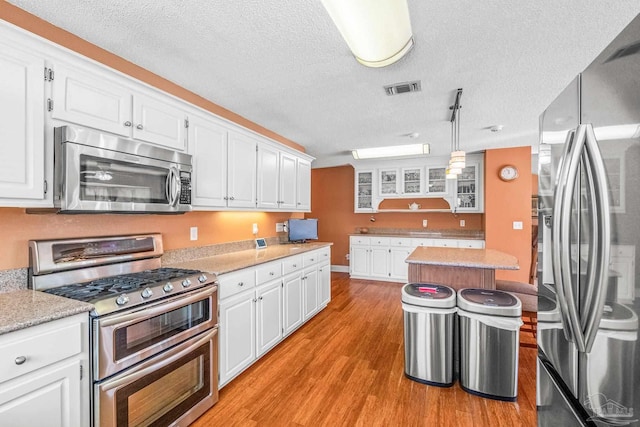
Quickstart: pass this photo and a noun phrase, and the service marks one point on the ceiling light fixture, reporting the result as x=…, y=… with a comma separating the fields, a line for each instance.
x=458, y=157
x=392, y=151
x=378, y=32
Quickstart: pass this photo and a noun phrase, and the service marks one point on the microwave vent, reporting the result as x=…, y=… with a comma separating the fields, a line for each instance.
x=405, y=87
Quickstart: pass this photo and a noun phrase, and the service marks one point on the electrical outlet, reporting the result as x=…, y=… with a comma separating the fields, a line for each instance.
x=193, y=232
x=279, y=227
x=424, y=223
x=462, y=223
x=254, y=229
x=517, y=225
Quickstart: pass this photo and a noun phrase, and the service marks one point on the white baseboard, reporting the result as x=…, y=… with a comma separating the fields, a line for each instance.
x=340, y=268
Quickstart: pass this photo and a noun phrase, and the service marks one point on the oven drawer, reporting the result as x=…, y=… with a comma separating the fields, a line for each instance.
x=33, y=348
x=268, y=271
x=236, y=282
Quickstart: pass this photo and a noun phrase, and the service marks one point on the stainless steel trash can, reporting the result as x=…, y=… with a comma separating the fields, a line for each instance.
x=489, y=325
x=429, y=326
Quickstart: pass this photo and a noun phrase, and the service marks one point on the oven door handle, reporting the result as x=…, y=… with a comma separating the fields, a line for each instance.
x=182, y=350
x=176, y=186
x=147, y=312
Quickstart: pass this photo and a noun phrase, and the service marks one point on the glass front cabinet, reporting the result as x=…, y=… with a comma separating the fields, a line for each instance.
x=412, y=181
x=469, y=187
x=364, y=191
x=436, y=181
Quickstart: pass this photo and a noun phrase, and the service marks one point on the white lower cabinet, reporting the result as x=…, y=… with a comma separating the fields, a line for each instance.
x=44, y=374
x=261, y=305
x=398, y=268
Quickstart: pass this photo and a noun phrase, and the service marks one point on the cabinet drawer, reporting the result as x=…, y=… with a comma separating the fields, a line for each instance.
x=421, y=242
x=310, y=258
x=268, y=271
x=324, y=254
x=360, y=240
x=475, y=244
x=380, y=241
x=236, y=282
x=291, y=264
x=400, y=242
x=444, y=243
x=40, y=346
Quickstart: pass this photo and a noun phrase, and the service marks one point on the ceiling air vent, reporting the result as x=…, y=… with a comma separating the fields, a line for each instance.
x=406, y=87
x=631, y=49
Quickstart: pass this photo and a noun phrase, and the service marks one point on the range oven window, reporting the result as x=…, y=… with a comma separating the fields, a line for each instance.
x=163, y=396
x=144, y=334
x=106, y=180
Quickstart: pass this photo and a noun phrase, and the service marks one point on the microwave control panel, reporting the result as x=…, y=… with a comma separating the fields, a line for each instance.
x=185, y=188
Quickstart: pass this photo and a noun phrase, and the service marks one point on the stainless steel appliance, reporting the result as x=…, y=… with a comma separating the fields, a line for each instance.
x=154, y=332
x=99, y=172
x=489, y=328
x=589, y=194
x=429, y=333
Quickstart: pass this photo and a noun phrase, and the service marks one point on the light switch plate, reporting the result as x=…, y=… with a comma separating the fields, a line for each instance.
x=424, y=223
x=462, y=223
x=193, y=233
x=517, y=225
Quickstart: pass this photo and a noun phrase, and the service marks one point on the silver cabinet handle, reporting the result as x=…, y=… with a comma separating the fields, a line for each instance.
x=271, y=273
x=232, y=198
x=295, y=265
x=260, y=298
x=139, y=126
x=20, y=360
x=226, y=198
x=241, y=284
x=127, y=124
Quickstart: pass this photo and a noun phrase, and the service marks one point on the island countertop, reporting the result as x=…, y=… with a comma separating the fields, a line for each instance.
x=463, y=257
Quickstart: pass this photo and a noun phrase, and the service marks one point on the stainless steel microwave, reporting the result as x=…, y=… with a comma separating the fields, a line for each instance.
x=99, y=172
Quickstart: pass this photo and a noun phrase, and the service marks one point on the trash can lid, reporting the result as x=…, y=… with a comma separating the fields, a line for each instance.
x=429, y=295
x=489, y=301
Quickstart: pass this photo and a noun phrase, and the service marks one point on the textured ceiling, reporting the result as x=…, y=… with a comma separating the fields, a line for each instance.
x=283, y=64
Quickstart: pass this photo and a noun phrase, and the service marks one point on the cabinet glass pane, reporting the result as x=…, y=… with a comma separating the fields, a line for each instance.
x=365, y=180
x=411, y=181
x=388, y=180
x=467, y=187
x=436, y=180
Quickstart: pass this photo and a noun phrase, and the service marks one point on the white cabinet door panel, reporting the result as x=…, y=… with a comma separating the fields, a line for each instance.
x=288, y=180
x=242, y=171
x=310, y=292
x=237, y=335
x=379, y=261
x=269, y=313
x=158, y=121
x=324, y=284
x=21, y=124
x=398, y=268
x=359, y=260
x=304, y=185
x=292, y=288
x=268, y=172
x=208, y=146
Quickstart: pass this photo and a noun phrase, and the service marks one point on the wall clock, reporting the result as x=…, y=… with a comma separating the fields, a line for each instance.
x=508, y=173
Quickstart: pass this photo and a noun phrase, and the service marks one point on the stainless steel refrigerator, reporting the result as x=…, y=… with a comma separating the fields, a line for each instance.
x=589, y=236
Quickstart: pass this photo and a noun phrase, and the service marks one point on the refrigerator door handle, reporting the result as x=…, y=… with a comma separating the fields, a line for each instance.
x=603, y=231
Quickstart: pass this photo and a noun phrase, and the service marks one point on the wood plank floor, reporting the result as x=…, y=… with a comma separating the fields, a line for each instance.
x=345, y=367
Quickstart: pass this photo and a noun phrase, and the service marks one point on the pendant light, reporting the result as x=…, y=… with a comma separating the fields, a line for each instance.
x=452, y=171
x=458, y=158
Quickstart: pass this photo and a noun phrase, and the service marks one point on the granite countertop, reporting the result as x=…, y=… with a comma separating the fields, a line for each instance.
x=441, y=234
x=463, y=257
x=24, y=308
x=232, y=261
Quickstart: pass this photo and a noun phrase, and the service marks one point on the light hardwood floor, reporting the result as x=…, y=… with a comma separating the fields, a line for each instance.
x=345, y=367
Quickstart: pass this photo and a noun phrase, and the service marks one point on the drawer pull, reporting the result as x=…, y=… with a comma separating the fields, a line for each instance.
x=294, y=265
x=20, y=360
x=241, y=284
x=312, y=259
x=271, y=273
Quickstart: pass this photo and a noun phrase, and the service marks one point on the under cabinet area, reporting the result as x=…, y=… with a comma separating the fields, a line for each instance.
x=261, y=305
x=44, y=374
x=383, y=257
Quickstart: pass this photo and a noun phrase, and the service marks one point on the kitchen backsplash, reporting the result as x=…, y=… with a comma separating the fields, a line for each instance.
x=187, y=254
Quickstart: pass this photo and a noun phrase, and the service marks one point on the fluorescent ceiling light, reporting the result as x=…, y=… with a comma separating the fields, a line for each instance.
x=393, y=151
x=378, y=32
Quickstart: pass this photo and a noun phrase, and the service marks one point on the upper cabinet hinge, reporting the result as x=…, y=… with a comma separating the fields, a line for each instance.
x=48, y=74
x=186, y=123
x=49, y=104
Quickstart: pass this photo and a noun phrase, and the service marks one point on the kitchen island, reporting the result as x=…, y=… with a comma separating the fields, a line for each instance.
x=458, y=267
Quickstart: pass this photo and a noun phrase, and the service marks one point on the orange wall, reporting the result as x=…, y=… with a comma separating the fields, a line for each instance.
x=17, y=228
x=506, y=202
x=29, y=22
x=332, y=203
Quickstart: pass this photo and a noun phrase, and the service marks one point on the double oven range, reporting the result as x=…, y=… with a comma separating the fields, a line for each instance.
x=153, y=333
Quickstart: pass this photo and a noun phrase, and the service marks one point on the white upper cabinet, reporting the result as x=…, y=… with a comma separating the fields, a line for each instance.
x=268, y=177
x=208, y=146
x=94, y=99
x=88, y=99
x=241, y=186
x=22, y=149
x=303, y=198
x=288, y=181
x=412, y=179
x=389, y=181
x=436, y=179
x=470, y=188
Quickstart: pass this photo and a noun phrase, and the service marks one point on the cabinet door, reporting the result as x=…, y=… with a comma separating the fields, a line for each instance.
x=237, y=335
x=359, y=260
x=469, y=190
x=436, y=179
x=268, y=173
x=48, y=397
x=159, y=121
x=269, y=316
x=398, y=268
x=324, y=284
x=388, y=180
x=288, y=181
x=208, y=146
x=21, y=125
x=91, y=100
x=310, y=292
x=379, y=261
x=242, y=171
x=412, y=181
x=292, y=288
x=303, y=197
x=364, y=191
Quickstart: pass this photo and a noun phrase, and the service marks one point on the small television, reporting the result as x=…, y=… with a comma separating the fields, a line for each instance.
x=301, y=230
